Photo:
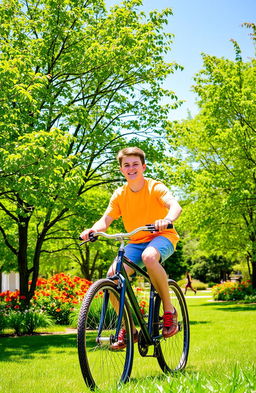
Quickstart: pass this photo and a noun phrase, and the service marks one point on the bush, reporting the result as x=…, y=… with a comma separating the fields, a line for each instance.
x=3, y=321
x=59, y=295
x=250, y=298
x=34, y=320
x=233, y=291
x=26, y=322
x=199, y=285
x=196, y=284
x=212, y=284
x=56, y=297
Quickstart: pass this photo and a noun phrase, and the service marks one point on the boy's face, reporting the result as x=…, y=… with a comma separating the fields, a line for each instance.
x=132, y=168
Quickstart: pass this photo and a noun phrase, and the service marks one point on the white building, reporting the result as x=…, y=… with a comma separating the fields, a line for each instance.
x=10, y=281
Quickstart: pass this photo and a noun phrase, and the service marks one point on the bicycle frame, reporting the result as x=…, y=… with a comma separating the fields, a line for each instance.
x=124, y=287
x=147, y=329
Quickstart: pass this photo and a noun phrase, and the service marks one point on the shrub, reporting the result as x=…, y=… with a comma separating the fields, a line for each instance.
x=199, y=285
x=34, y=320
x=212, y=284
x=233, y=291
x=3, y=320
x=26, y=322
x=250, y=298
x=56, y=296
x=196, y=284
x=59, y=294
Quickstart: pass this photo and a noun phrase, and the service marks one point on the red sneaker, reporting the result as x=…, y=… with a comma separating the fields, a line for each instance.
x=121, y=343
x=170, y=324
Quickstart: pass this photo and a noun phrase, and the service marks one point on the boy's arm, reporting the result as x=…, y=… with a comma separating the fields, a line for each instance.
x=174, y=209
x=172, y=215
x=100, y=226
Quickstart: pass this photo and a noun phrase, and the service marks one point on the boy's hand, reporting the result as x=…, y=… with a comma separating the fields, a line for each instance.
x=85, y=234
x=162, y=224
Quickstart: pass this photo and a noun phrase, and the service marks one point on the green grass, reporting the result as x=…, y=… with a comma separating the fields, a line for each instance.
x=221, y=360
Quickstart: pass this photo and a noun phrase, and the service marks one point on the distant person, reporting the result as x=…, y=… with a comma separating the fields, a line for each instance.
x=189, y=283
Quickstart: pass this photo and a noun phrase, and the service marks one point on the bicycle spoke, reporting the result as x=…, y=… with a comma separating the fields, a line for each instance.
x=173, y=351
x=101, y=366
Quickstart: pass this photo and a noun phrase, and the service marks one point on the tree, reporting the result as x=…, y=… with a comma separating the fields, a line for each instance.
x=92, y=260
x=219, y=146
x=212, y=269
x=75, y=81
x=176, y=265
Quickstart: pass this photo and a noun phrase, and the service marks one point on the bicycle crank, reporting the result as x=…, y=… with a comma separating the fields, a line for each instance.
x=143, y=347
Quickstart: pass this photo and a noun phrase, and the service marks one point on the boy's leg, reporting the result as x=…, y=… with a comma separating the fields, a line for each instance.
x=161, y=248
x=151, y=258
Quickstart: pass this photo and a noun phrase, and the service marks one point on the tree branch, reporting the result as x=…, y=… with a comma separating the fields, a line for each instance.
x=8, y=244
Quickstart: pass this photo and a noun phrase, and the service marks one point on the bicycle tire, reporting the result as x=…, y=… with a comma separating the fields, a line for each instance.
x=101, y=366
x=172, y=353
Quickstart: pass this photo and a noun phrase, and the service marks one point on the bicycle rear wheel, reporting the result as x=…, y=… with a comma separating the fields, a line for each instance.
x=173, y=351
x=100, y=365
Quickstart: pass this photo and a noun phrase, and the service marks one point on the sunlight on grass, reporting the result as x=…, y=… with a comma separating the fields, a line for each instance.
x=221, y=360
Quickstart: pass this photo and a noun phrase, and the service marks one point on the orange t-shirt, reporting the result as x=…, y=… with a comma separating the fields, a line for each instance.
x=141, y=208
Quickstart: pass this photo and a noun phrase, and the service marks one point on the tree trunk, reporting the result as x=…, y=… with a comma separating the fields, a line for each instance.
x=253, y=262
x=22, y=257
x=85, y=258
x=35, y=269
x=254, y=275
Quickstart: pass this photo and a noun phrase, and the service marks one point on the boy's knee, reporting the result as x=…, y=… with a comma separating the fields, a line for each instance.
x=150, y=257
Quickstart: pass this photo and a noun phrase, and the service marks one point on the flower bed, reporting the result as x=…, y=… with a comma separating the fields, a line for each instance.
x=54, y=297
x=234, y=291
x=59, y=294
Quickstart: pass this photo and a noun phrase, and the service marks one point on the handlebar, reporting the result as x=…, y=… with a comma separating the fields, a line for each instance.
x=93, y=236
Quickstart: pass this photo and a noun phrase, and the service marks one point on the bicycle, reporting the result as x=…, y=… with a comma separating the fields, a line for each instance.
x=99, y=324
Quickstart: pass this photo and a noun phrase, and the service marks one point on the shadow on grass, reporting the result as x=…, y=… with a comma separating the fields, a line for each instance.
x=231, y=306
x=29, y=347
x=198, y=322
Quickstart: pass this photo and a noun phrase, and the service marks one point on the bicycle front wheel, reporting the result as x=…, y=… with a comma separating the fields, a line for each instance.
x=173, y=351
x=100, y=365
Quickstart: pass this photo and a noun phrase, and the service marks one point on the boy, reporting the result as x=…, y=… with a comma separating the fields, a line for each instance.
x=144, y=201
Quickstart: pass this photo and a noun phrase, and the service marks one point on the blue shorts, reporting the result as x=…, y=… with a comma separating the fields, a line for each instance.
x=133, y=251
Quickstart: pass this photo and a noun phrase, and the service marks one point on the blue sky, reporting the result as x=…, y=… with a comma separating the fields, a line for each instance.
x=202, y=26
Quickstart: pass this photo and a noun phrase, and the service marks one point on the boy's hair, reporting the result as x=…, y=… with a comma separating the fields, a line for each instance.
x=131, y=151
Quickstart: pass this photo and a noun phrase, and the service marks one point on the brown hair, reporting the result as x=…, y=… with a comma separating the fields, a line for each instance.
x=131, y=151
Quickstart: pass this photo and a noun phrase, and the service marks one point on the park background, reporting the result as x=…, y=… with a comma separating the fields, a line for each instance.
x=66, y=109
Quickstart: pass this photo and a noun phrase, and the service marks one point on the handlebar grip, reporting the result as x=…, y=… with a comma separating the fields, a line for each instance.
x=152, y=228
x=92, y=238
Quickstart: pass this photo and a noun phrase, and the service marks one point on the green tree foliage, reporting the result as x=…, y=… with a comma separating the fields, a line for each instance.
x=64, y=253
x=212, y=269
x=75, y=81
x=175, y=265
x=219, y=169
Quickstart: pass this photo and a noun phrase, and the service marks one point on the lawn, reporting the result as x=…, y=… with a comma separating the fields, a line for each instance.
x=221, y=360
